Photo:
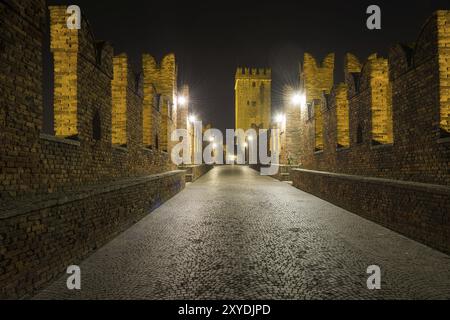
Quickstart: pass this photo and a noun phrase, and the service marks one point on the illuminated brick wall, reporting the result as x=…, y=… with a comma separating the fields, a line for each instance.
x=75, y=190
x=317, y=79
x=253, y=98
x=342, y=117
x=119, y=100
x=183, y=110
x=397, y=115
x=290, y=139
x=65, y=48
x=183, y=122
x=160, y=81
x=96, y=140
x=443, y=24
x=381, y=103
x=318, y=127
x=388, y=119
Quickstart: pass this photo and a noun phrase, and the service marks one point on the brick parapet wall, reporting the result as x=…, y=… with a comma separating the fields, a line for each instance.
x=417, y=210
x=41, y=237
x=395, y=173
x=160, y=81
x=65, y=195
x=418, y=151
x=443, y=24
x=33, y=164
x=194, y=172
x=291, y=144
x=317, y=78
x=20, y=89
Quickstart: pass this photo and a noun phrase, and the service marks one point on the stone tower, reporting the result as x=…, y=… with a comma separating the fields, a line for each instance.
x=253, y=98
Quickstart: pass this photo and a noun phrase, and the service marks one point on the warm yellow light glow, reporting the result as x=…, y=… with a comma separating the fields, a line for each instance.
x=280, y=118
x=211, y=139
x=250, y=138
x=303, y=100
x=192, y=118
x=298, y=99
x=182, y=101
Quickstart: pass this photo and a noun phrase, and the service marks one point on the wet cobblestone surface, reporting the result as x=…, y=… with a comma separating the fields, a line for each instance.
x=236, y=235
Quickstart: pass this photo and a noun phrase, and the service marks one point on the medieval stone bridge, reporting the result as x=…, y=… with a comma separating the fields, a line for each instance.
x=234, y=234
x=73, y=187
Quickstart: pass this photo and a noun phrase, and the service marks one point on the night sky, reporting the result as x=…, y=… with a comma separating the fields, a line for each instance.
x=212, y=38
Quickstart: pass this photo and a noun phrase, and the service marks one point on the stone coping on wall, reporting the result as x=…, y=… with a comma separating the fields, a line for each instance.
x=419, y=186
x=444, y=140
x=258, y=167
x=51, y=138
x=195, y=171
x=120, y=148
x=381, y=146
x=148, y=150
x=23, y=207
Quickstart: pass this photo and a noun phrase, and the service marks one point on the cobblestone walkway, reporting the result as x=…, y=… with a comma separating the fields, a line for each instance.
x=236, y=235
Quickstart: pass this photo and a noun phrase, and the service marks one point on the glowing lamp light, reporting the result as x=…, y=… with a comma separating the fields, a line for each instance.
x=250, y=138
x=298, y=99
x=211, y=139
x=192, y=119
x=280, y=118
x=182, y=101
x=302, y=100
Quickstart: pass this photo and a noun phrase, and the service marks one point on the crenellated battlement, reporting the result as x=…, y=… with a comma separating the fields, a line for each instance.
x=254, y=73
x=161, y=74
x=65, y=45
x=99, y=114
x=374, y=122
x=73, y=51
x=98, y=142
x=108, y=163
x=389, y=120
x=119, y=88
x=160, y=92
x=317, y=78
x=352, y=73
x=443, y=22
x=253, y=105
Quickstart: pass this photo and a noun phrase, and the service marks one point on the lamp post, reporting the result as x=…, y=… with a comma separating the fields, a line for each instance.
x=298, y=99
x=183, y=101
x=192, y=118
x=292, y=126
x=280, y=119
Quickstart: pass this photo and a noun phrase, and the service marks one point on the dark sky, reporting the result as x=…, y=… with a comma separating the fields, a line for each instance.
x=212, y=38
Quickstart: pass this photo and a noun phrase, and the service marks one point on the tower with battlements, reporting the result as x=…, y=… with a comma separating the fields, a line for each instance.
x=253, y=98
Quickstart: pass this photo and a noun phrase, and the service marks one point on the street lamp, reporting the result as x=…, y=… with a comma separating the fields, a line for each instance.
x=192, y=118
x=183, y=101
x=280, y=118
x=298, y=99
